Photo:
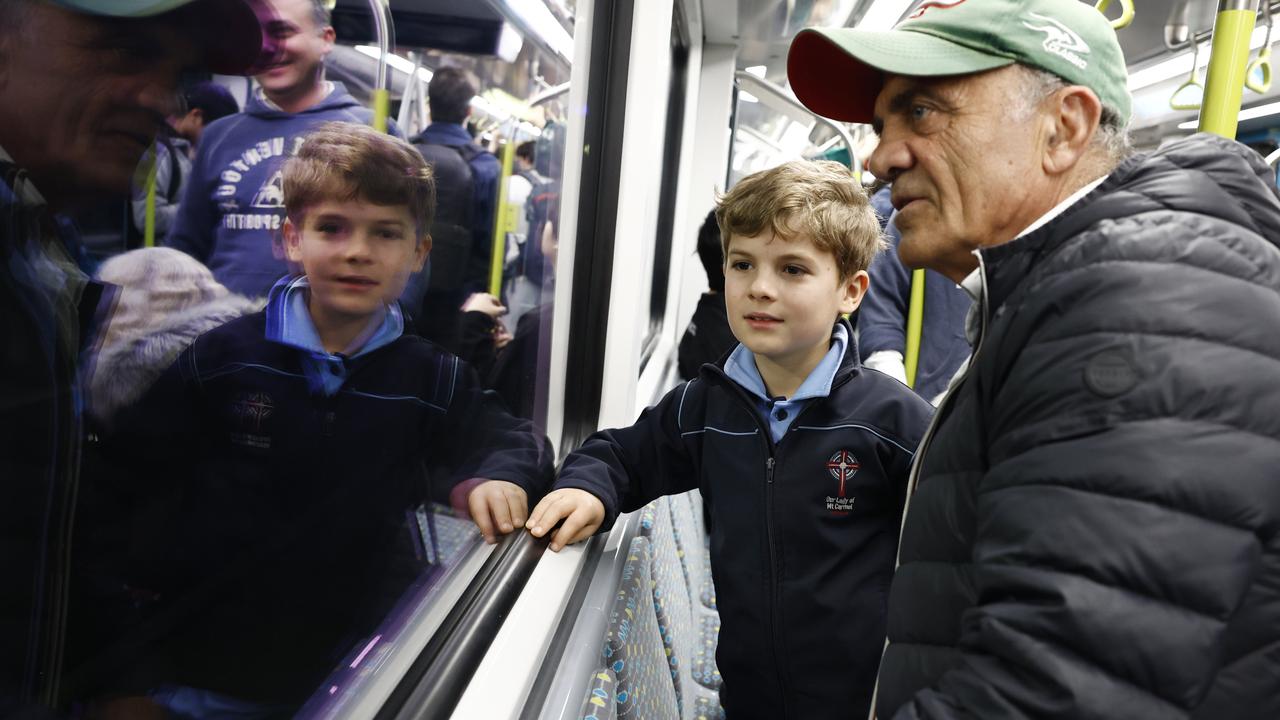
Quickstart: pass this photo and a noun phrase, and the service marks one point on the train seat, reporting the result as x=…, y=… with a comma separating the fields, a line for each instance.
x=686, y=514
x=600, y=703
x=671, y=599
x=633, y=649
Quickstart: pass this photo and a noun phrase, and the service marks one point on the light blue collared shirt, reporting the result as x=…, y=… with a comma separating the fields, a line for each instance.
x=289, y=323
x=781, y=412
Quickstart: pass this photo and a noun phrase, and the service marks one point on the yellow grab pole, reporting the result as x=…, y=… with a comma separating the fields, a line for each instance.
x=149, y=224
x=915, y=326
x=1224, y=88
x=381, y=109
x=502, y=218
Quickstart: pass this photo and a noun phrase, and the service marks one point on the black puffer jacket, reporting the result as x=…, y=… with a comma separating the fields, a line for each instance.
x=1095, y=531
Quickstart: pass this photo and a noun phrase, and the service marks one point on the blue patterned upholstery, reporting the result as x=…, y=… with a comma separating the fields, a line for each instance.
x=706, y=706
x=705, y=672
x=600, y=703
x=670, y=598
x=695, y=556
x=633, y=647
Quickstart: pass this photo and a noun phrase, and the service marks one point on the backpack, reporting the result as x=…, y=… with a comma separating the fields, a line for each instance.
x=452, y=230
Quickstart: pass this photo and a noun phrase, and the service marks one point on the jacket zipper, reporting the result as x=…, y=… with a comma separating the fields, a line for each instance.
x=775, y=586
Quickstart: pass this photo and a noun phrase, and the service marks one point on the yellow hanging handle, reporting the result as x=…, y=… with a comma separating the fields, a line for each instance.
x=915, y=326
x=1126, y=13
x=1257, y=76
x=1192, y=82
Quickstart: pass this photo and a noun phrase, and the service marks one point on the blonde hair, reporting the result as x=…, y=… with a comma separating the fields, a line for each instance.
x=820, y=200
x=346, y=161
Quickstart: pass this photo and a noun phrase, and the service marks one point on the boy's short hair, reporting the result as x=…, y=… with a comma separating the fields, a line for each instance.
x=212, y=99
x=346, y=161
x=525, y=150
x=711, y=252
x=819, y=199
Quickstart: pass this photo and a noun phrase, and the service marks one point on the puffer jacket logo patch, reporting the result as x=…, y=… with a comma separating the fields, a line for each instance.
x=842, y=466
x=1110, y=373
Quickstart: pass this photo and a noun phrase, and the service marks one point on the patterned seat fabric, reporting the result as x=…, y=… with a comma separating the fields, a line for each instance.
x=633, y=648
x=695, y=555
x=670, y=598
x=706, y=706
x=600, y=703
x=705, y=672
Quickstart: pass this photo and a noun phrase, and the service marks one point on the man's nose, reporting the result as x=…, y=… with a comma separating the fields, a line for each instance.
x=891, y=158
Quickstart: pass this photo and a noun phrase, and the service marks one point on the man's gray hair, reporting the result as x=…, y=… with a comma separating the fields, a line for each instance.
x=1113, y=130
x=321, y=12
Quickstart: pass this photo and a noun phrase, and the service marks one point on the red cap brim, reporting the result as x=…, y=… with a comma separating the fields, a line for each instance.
x=234, y=34
x=830, y=82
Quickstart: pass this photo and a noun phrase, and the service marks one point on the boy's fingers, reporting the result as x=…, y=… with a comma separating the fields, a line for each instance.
x=572, y=530
x=501, y=512
x=545, y=516
x=518, y=504
x=480, y=514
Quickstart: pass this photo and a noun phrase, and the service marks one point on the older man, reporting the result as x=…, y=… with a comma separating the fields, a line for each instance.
x=1094, y=526
x=81, y=97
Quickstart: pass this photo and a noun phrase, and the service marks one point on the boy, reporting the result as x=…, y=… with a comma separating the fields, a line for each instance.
x=311, y=425
x=801, y=455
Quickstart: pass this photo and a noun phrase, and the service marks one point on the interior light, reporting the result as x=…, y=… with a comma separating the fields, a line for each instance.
x=1249, y=114
x=539, y=19
x=757, y=70
x=509, y=44
x=394, y=61
x=745, y=96
x=1180, y=64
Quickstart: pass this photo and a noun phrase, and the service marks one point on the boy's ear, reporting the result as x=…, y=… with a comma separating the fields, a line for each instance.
x=292, y=240
x=421, y=251
x=855, y=288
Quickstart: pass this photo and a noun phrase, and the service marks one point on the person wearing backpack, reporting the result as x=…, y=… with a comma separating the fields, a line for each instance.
x=205, y=102
x=466, y=202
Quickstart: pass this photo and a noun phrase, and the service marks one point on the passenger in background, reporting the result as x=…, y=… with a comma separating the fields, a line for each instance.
x=1094, y=528
x=708, y=336
x=233, y=207
x=84, y=88
x=308, y=426
x=521, y=295
x=801, y=455
x=882, y=321
x=462, y=234
x=205, y=102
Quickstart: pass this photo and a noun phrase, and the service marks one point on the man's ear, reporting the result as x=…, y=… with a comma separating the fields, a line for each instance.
x=292, y=240
x=330, y=36
x=855, y=288
x=1074, y=114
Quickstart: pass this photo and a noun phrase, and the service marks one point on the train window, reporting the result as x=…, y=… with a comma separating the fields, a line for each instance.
x=275, y=522
x=669, y=191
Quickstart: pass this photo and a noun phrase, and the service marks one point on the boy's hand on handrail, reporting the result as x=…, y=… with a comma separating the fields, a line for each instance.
x=497, y=505
x=582, y=512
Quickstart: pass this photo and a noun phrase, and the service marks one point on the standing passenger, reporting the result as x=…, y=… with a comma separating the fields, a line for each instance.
x=708, y=336
x=467, y=180
x=800, y=453
x=1095, y=525
x=234, y=204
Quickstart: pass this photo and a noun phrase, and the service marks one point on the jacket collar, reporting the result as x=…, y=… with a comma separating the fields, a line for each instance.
x=850, y=365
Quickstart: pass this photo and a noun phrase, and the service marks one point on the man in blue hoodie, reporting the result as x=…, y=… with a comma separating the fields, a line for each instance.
x=233, y=206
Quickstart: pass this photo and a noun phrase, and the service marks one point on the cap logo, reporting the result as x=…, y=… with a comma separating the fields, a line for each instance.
x=934, y=6
x=1060, y=40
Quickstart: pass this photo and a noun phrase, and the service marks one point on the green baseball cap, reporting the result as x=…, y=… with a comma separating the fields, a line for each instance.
x=837, y=72
x=232, y=32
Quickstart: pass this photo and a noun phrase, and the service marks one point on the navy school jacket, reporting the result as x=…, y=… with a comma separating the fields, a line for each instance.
x=804, y=532
x=294, y=533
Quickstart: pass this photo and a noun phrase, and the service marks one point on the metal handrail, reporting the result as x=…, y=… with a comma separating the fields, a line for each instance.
x=549, y=94
x=785, y=97
x=385, y=30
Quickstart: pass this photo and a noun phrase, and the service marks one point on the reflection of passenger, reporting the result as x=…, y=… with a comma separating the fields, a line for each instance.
x=310, y=424
x=510, y=364
x=233, y=205
x=708, y=336
x=801, y=565
x=167, y=299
